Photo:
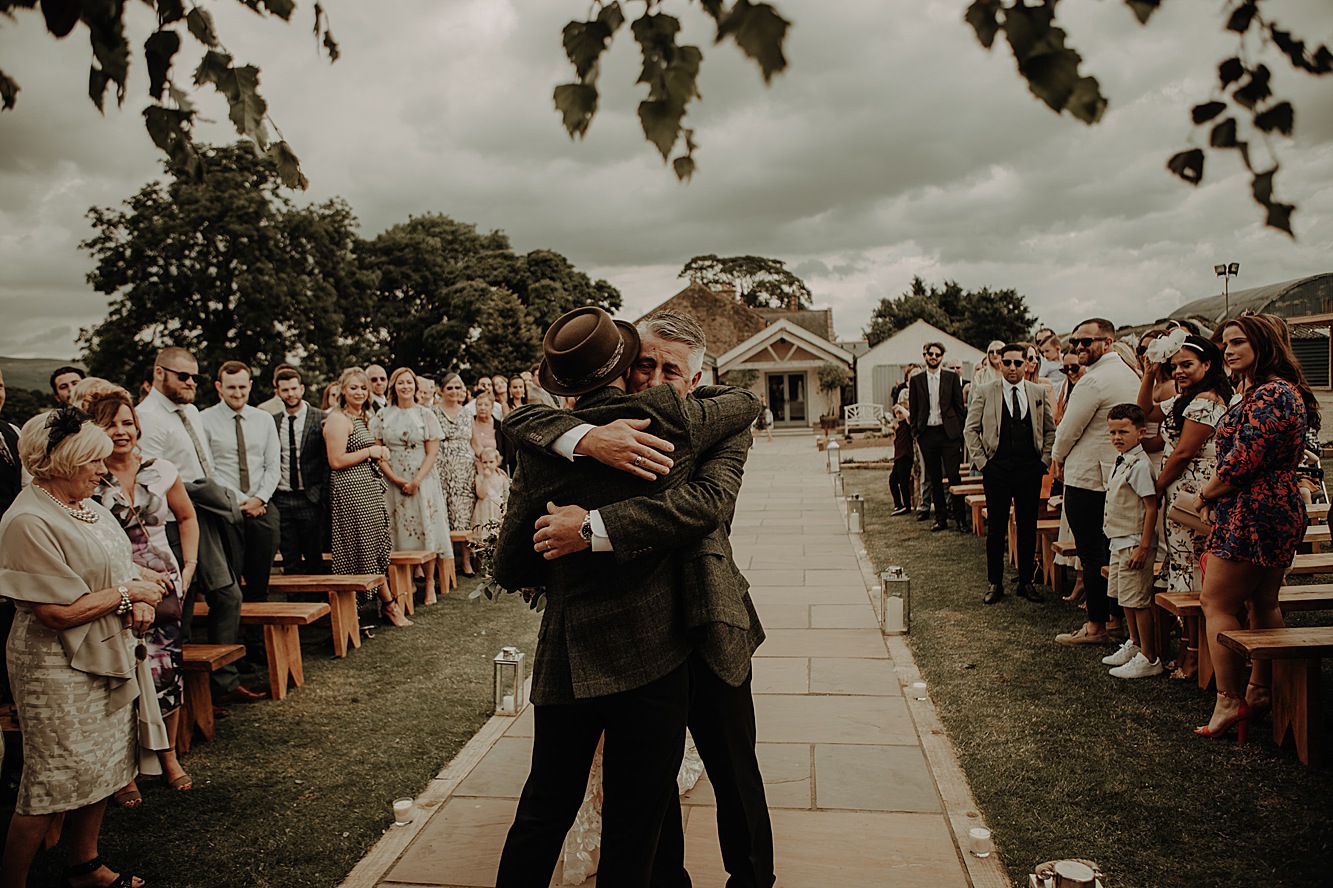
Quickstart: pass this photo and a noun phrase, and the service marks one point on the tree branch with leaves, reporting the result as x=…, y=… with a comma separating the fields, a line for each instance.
x=1244, y=91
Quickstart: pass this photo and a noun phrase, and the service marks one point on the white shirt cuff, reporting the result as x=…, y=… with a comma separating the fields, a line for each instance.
x=565, y=444
x=601, y=542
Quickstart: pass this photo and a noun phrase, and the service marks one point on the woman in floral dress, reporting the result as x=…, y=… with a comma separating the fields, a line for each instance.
x=1188, y=422
x=458, y=461
x=144, y=495
x=418, y=516
x=1258, y=515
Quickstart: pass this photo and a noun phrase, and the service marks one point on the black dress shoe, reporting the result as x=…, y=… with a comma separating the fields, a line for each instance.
x=922, y=516
x=241, y=694
x=938, y=525
x=994, y=592
x=1029, y=591
x=901, y=510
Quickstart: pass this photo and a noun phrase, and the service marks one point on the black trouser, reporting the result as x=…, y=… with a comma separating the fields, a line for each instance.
x=645, y=741
x=1020, y=484
x=259, y=543
x=942, y=456
x=900, y=481
x=224, y=627
x=723, y=727
x=1083, y=510
x=302, y=533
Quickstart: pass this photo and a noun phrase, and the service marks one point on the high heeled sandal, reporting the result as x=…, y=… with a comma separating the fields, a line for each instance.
x=1239, y=721
x=124, y=880
x=1259, y=710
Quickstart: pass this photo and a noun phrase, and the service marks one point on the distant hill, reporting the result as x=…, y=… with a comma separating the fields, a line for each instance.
x=32, y=373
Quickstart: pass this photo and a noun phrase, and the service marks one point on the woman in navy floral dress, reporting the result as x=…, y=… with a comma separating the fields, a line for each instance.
x=1258, y=515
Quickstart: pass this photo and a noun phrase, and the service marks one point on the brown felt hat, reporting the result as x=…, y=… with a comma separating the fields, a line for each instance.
x=584, y=350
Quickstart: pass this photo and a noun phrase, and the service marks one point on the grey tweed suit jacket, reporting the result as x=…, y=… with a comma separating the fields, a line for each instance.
x=694, y=520
x=610, y=625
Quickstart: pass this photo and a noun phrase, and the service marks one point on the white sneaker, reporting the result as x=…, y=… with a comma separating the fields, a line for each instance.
x=1123, y=654
x=1138, y=667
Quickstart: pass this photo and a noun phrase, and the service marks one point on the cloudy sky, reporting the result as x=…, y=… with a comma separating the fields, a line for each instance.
x=893, y=146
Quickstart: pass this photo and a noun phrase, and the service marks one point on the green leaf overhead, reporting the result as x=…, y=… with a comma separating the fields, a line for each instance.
x=1188, y=165
x=9, y=91
x=984, y=17
x=760, y=33
x=159, y=49
x=200, y=23
x=577, y=103
x=1207, y=111
x=1280, y=118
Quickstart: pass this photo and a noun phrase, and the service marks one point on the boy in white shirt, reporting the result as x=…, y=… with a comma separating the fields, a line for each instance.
x=1130, y=523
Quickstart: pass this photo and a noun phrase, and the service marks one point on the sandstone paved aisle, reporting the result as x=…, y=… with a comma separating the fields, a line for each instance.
x=863, y=787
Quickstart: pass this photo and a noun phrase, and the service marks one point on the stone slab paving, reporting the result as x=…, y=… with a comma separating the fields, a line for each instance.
x=863, y=787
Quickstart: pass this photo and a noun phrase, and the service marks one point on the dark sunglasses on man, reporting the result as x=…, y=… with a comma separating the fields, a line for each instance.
x=1087, y=341
x=182, y=375
x=1070, y=369
x=933, y=354
x=1010, y=362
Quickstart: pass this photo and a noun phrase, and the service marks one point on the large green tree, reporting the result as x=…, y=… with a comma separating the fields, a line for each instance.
x=974, y=316
x=755, y=280
x=436, y=291
x=228, y=268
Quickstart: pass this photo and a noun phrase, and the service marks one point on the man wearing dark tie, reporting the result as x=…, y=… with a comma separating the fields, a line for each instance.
x=1010, y=430
x=302, y=477
x=936, y=404
x=245, y=452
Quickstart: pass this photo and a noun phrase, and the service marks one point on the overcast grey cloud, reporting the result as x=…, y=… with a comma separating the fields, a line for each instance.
x=893, y=146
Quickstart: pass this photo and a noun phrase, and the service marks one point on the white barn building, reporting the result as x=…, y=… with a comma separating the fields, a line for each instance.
x=881, y=368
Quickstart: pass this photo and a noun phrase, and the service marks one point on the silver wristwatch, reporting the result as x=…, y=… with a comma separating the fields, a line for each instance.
x=585, y=529
x=125, y=604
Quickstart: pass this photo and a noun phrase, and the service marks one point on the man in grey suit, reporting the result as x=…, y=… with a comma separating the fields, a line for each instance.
x=612, y=651
x=721, y=622
x=1009, y=432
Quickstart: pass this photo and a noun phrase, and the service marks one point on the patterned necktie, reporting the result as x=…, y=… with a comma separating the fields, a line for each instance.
x=293, y=460
x=1018, y=410
x=242, y=459
x=194, y=439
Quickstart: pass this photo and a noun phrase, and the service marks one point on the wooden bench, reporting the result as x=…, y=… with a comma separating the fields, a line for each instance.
x=1317, y=512
x=977, y=502
x=967, y=489
x=1297, y=696
x=400, y=577
x=200, y=662
x=1314, y=596
x=282, y=640
x=1316, y=535
x=9, y=720
x=1305, y=565
x=1047, y=530
x=341, y=590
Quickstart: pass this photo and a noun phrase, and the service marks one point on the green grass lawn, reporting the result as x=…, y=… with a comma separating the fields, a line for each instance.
x=1066, y=761
x=294, y=793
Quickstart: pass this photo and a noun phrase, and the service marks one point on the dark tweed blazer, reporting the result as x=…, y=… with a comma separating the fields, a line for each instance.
x=693, y=519
x=610, y=625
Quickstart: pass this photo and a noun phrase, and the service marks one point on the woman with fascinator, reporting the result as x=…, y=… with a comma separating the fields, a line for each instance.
x=82, y=686
x=1188, y=425
x=144, y=496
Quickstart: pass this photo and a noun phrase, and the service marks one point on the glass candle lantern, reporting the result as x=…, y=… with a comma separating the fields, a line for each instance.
x=834, y=454
x=509, y=682
x=895, y=601
x=855, y=513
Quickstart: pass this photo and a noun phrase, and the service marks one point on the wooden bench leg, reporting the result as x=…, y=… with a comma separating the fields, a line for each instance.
x=1297, y=707
x=978, y=522
x=283, y=646
x=200, y=704
x=400, y=584
x=450, y=576
x=430, y=567
x=343, y=621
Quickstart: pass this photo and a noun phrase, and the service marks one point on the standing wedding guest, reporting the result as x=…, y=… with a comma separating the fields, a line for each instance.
x=483, y=425
x=329, y=400
x=63, y=380
x=518, y=393
x=936, y=406
x=1258, y=515
x=275, y=405
x=1164, y=387
x=1081, y=459
x=484, y=384
x=1072, y=371
x=900, y=478
x=426, y=394
x=500, y=385
x=537, y=394
x=1188, y=423
x=458, y=461
x=418, y=516
x=1010, y=430
x=908, y=372
x=303, y=476
x=246, y=457
x=85, y=704
x=361, y=536
x=492, y=488
x=1032, y=371
x=989, y=369
x=172, y=430
x=144, y=495
x=379, y=386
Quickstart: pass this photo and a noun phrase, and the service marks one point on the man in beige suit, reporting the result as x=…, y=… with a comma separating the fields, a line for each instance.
x=1009, y=432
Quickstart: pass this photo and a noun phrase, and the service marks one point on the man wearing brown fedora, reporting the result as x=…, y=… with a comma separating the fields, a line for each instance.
x=613, y=650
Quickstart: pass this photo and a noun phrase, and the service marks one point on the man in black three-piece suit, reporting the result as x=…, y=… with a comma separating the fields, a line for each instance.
x=613, y=649
x=1009, y=432
x=303, y=477
x=936, y=405
x=721, y=622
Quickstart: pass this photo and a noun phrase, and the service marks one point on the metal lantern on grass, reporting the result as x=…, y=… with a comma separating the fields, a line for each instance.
x=509, y=694
x=837, y=484
x=834, y=454
x=895, y=601
x=855, y=513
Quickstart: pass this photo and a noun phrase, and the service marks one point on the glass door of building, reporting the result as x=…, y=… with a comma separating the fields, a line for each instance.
x=787, y=398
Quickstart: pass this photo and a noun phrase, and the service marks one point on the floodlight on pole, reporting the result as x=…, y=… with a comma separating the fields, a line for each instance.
x=1226, y=272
